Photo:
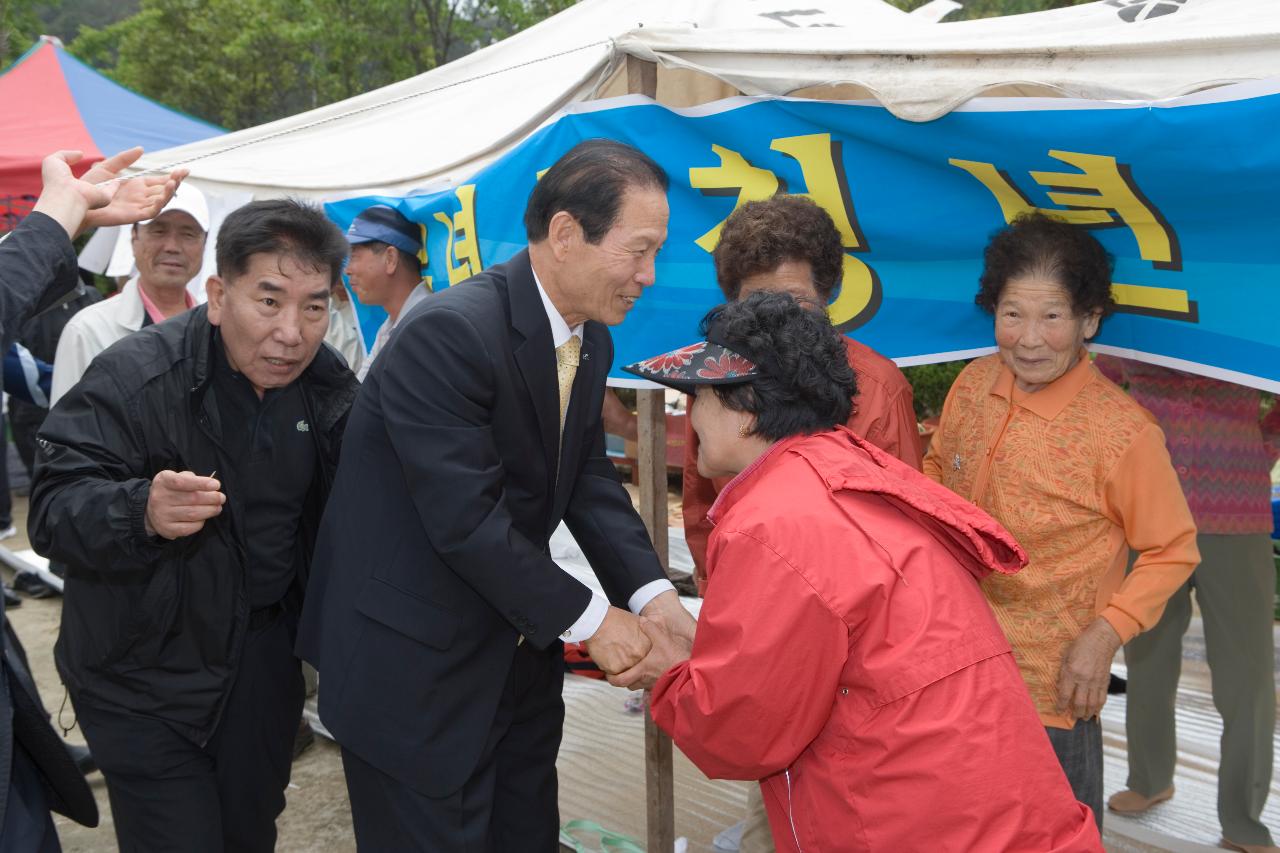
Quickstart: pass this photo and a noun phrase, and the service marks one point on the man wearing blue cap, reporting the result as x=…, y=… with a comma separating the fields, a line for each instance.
x=384, y=268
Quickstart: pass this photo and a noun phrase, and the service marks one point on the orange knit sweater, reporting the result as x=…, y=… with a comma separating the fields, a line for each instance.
x=1078, y=473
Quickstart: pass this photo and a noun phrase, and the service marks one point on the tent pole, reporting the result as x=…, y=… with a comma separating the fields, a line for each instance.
x=642, y=79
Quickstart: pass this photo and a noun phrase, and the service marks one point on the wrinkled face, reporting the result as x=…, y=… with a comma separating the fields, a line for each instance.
x=722, y=449
x=1038, y=332
x=168, y=249
x=602, y=281
x=272, y=319
x=367, y=272
x=794, y=277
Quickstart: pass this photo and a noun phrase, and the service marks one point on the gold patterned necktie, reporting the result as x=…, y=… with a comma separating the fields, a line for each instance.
x=566, y=368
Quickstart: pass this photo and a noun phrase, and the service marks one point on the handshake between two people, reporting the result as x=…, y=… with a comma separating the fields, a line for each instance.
x=634, y=651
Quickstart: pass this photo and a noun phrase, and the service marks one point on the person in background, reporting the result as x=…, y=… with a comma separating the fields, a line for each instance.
x=844, y=655
x=182, y=481
x=1075, y=470
x=37, y=268
x=40, y=336
x=384, y=269
x=168, y=252
x=343, y=334
x=789, y=244
x=1223, y=451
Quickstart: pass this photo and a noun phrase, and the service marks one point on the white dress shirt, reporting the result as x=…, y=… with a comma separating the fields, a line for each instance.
x=415, y=296
x=586, y=625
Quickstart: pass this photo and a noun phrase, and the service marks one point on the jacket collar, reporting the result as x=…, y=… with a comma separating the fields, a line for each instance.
x=739, y=485
x=834, y=458
x=535, y=352
x=1049, y=401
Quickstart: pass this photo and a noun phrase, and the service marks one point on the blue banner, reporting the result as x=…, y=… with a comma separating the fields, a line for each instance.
x=1182, y=194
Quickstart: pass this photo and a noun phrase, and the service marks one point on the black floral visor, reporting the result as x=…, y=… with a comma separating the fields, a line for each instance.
x=703, y=363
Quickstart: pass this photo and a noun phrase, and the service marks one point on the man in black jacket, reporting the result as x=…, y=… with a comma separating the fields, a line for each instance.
x=182, y=481
x=435, y=614
x=37, y=266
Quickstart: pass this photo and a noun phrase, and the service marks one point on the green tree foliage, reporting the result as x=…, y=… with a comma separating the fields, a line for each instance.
x=930, y=384
x=64, y=18
x=239, y=63
x=18, y=29
x=993, y=8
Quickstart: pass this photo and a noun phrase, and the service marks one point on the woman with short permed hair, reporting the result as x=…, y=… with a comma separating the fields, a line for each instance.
x=1075, y=470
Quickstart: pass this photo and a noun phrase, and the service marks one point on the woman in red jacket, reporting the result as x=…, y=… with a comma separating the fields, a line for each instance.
x=845, y=656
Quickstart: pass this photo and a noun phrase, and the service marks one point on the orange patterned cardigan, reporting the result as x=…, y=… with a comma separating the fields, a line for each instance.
x=1079, y=474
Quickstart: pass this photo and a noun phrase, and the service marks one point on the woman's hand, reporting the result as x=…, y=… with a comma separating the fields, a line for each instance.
x=667, y=651
x=1086, y=670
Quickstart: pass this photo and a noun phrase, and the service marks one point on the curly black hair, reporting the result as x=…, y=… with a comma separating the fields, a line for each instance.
x=1048, y=247
x=762, y=235
x=805, y=384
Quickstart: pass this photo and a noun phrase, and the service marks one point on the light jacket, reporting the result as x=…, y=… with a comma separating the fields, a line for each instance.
x=91, y=331
x=846, y=658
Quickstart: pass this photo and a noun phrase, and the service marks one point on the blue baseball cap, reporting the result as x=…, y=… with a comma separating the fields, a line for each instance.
x=385, y=224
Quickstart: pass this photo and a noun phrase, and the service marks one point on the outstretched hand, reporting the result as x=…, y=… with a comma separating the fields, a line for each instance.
x=90, y=201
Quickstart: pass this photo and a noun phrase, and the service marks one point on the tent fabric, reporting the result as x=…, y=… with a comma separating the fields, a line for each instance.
x=54, y=102
x=450, y=121
x=446, y=124
x=1097, y=51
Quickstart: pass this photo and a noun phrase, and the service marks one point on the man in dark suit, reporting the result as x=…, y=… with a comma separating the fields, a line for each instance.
x=37, y=266
x=434, y=612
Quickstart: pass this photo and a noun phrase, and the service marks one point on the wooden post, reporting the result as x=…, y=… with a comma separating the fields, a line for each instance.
x=652, y=460
x=651, y=457
x=642, y=79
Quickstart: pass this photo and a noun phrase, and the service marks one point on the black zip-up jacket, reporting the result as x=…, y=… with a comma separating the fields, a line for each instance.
x=149, y=625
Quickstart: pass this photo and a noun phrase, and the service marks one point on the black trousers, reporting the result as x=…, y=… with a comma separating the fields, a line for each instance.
x=509, y=803
x=170, y=794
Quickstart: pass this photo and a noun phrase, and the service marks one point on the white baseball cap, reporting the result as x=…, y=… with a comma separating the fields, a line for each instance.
x=190, y=200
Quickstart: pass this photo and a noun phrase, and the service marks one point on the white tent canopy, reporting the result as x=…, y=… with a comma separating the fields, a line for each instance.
x=447, y=123
x=1093, y=51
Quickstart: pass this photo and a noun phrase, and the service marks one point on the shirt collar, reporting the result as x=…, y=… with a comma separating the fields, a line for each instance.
x=560, y=331
x=153, y=312
x=1049, y=401
x=415, y=296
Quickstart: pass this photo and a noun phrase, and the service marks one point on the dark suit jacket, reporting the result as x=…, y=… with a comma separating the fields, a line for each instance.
x=37, y=266
x=433, y=557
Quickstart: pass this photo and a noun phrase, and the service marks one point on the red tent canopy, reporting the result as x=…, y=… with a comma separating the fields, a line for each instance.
x=55, y=102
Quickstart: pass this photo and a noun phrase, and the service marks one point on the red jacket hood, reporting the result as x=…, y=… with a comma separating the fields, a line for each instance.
x=846, y=462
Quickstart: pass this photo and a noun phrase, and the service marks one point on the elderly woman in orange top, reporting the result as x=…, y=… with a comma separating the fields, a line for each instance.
x=1075, y=470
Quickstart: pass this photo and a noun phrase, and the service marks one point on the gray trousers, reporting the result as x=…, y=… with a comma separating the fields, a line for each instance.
x=1234, y=586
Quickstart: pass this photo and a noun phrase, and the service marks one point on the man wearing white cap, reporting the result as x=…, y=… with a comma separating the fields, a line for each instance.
x=168, y=252
x=384, y=269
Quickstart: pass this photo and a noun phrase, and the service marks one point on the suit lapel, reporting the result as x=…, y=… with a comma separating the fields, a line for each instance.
x=534, y=354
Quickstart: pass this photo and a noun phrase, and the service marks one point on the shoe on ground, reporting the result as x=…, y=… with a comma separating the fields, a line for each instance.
x=1250, y=848
x=11, y=599
x=8, y=532
x=304, y=739
x=30, y=583
x=1131, y=802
